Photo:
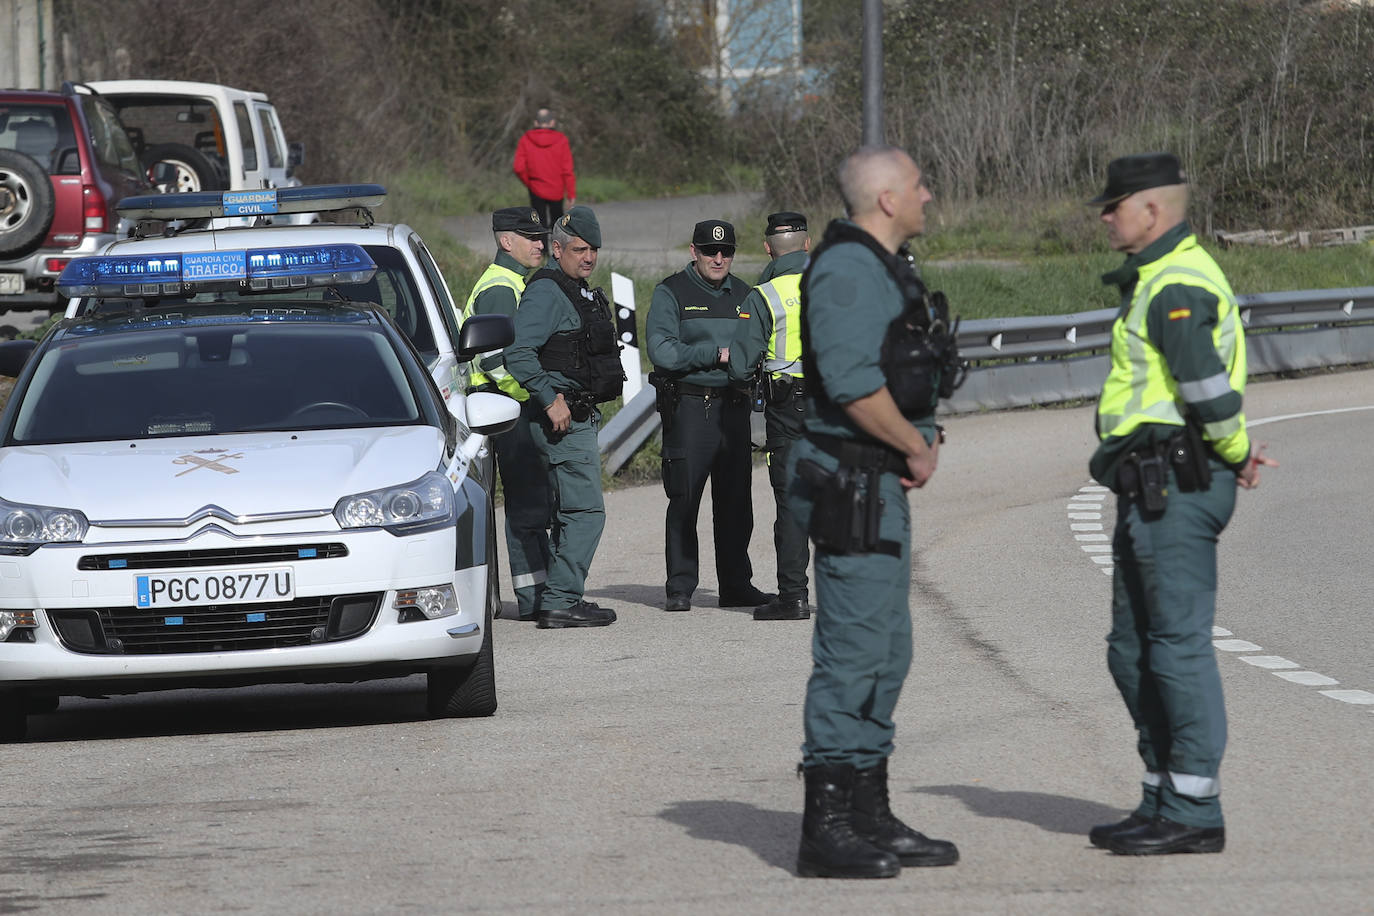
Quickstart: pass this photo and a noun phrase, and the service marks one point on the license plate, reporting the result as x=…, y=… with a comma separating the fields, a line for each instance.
x=215, y=586
x=11, y=284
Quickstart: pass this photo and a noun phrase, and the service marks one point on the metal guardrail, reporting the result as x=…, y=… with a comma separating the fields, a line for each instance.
x=1018, y=362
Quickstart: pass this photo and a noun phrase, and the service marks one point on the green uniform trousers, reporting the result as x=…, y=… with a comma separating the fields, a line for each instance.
x=1160, y=649
x=784, y=425
x=573, y=459
x=861, y=644
x=528, y=503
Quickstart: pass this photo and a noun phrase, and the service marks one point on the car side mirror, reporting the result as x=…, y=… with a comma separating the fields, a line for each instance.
x=481, y=333
x=14, y=354
x=491, y=414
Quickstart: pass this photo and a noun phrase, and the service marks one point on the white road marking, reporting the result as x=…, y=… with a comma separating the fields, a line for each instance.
x=1079, y=510
x=1250, y=424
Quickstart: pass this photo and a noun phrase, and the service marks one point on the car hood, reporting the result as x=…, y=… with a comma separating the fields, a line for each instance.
x=244, y=474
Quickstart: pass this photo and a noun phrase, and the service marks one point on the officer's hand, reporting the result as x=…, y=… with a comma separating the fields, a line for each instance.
x=560, y=417
x=723, y=355
x=922, y=466
x=1249, y=477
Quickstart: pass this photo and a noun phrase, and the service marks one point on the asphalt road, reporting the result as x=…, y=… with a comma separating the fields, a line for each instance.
x=648, y=767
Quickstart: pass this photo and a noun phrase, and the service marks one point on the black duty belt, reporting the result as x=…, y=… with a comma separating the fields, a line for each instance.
x=703, y=391
x=861, y=455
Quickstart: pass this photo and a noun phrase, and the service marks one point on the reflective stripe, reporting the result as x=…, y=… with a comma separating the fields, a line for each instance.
x=783, y=295
x=1153, y=778
x=1196, y=786
x=790, y=366
x=1206, y=389
x=528, y=579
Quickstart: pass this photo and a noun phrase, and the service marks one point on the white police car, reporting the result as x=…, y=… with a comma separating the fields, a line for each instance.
x=230, y=465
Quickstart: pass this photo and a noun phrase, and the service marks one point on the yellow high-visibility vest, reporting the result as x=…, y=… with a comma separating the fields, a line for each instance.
x=783, y=295
x=495, y=275
x=1141, y=389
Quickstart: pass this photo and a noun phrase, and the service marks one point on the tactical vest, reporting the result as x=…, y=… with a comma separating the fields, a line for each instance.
x=695, y=303
x=1140, y=388
x=783, y=295
x=919, y=357
x=589, y=356
x=495, y=275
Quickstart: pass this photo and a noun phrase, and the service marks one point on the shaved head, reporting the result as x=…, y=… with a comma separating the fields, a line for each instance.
x=868, y=172
x=781, y=243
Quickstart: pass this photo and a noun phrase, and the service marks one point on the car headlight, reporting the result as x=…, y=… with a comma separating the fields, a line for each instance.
x=420, y=506
x=24, y=528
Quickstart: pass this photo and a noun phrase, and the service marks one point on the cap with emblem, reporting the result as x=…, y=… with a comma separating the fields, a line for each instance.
x=1129, y=174
x=518, y=219
x=581, y=222
x=785, y=221
x=714, y=232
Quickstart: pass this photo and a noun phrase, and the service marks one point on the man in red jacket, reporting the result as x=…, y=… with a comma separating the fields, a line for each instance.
x=543, y=161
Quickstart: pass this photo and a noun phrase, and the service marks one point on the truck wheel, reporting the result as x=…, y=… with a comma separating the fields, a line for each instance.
x=192, y=170
x=27, y=204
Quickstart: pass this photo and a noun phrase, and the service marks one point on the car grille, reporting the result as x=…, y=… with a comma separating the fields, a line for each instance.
x=222, y=628
x=228, y=556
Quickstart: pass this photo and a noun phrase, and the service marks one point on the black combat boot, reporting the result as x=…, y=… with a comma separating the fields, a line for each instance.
x=829, y=846
x=875, y=822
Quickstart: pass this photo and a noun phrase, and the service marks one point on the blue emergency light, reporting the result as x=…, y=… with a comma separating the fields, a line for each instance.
x=187, y=272
x=261, y=202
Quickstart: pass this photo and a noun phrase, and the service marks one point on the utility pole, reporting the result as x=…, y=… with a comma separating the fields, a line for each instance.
x=873, y=134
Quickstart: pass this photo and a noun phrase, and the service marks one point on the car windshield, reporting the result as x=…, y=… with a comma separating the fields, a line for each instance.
x=393, y=288
x=211, y=375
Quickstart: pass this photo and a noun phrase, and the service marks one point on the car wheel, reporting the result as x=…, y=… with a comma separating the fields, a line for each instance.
x=14, y=718
x=27, y=204
x=193, y=171
x=466, y=692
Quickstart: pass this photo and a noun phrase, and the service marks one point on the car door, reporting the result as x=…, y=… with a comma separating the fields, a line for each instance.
x=273, y=145
x=449, y=374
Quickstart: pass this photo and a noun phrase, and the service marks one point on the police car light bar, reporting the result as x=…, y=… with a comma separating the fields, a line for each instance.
x=264, y=202
x=191, y=271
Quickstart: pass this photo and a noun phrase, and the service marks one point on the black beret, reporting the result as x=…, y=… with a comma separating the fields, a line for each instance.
x=714, y=232
x=1130, y=174
x=523, y=220
x=785, y=221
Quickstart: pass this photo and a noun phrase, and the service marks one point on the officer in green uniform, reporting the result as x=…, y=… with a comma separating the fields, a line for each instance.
x=862, y=445
x=565, y=356
x=1174, y=447
x=769, y=332
x=524, y=479
x=691, y=322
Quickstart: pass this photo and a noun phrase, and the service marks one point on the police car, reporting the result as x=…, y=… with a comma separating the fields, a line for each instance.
x=244, y=457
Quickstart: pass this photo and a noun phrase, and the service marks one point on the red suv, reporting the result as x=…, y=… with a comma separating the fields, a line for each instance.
x=65, y=161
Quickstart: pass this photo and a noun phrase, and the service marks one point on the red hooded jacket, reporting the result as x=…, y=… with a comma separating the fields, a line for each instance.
x=544, y=162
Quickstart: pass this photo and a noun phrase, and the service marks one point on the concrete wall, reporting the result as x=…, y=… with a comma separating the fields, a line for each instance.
x=28, y=44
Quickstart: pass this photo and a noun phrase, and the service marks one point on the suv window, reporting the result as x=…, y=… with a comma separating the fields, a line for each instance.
x=40, y=131
x=270, y=132
x=250, y=149
x=110, y=143
x=154, y=120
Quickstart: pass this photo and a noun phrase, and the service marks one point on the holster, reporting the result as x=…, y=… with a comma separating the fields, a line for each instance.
x=1145, y=476
x=845, y=517
x=666, y=397
x=1188, y=454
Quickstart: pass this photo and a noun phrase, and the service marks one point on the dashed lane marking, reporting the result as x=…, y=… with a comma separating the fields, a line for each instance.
x=1084, y=517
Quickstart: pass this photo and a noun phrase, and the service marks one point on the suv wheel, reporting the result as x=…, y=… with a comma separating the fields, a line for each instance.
x=27, y=204
x=193, y=170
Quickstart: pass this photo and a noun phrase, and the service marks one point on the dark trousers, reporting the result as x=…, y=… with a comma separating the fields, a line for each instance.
x=548, y=210
x=1160, y=648
x=529, y=508
x=709, y=439
x=784, y=423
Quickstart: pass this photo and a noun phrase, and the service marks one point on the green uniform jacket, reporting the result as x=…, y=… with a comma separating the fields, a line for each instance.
x=690, y=350
x=1180, y=323
x=755, y=324
x=543, y=312
x=850, y=301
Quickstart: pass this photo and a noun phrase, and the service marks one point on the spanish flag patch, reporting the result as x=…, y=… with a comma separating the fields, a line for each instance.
x=1176, y=314
x=744, y=314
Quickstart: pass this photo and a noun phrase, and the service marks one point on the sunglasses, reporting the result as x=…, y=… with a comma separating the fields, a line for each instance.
x=712, y=251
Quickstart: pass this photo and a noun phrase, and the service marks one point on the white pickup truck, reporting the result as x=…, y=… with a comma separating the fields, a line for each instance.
x=205, y=137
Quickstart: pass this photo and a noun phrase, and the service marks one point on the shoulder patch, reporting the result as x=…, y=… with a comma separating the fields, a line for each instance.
x=744, y=314
x=1176, y=314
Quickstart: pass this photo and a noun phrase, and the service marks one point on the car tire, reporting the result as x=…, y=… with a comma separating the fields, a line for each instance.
x=466, y=692
x=194, y=170
x=14, y=717
x=27, y=204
